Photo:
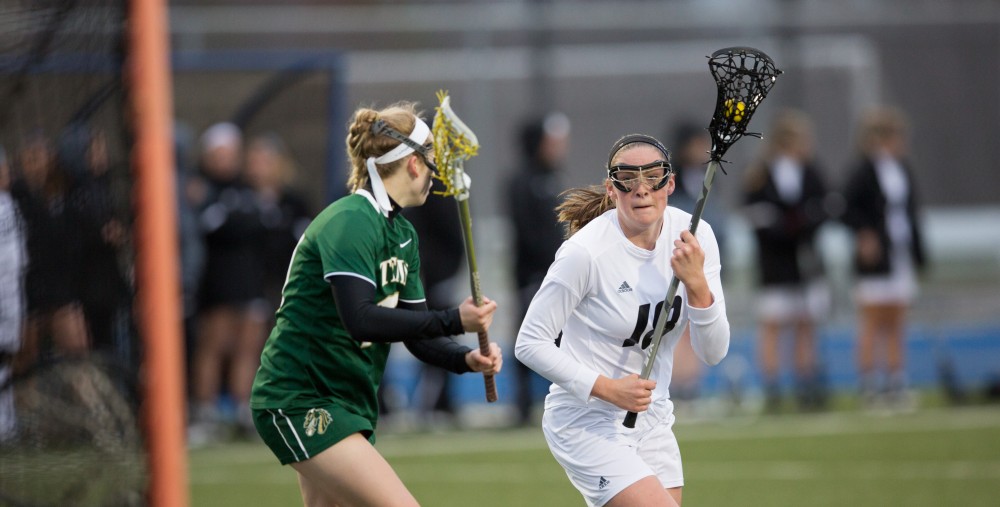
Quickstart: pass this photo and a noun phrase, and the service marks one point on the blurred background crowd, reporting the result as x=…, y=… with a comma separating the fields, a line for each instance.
x=859, y=247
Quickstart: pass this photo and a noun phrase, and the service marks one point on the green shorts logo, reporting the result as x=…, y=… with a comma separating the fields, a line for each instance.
x=316, y=421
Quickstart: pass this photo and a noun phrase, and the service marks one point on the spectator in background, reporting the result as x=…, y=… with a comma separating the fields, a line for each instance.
x=691, y=146
x=190, y=189
x=230, y=327
x=284, y=213
x=532, y=197
x=104, y=291
x=882, y=210
x=12, y=264
x=52, y=280
x=442, y=253
x=784, y=196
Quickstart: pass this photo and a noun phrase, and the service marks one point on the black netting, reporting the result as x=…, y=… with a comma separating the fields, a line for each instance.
x=63, y=133
x=744, y=76
x=66, y=252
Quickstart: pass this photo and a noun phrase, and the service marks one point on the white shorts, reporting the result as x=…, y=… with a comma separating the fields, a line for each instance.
x=787, y=303
x=601, y=457
x=897, y=287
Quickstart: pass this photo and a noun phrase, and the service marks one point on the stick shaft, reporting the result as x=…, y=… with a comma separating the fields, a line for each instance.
x=477, y=294
x=661, y=320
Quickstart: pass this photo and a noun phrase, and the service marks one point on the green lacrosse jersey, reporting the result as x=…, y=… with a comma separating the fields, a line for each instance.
x=309, y=358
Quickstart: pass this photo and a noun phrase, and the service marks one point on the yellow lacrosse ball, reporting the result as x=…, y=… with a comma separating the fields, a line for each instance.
x=735, y=112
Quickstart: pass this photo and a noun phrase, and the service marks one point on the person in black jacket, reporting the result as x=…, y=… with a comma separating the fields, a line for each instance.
x=52, y=241
x=785, y=196
x=442, y=255
x=231, y=326
x=103, y=288
x=882, y=210
x=533, y=194
x=284, y=212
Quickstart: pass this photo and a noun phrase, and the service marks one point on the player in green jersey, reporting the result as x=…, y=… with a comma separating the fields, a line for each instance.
x=352, y=289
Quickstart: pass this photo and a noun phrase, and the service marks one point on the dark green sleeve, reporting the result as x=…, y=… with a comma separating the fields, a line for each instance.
x=347, y=244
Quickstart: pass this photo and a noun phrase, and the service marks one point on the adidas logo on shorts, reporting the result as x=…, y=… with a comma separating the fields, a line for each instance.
x=603, y=483
x=624, y=287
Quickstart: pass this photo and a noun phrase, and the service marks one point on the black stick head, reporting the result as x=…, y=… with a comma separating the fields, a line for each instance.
x=743, y=76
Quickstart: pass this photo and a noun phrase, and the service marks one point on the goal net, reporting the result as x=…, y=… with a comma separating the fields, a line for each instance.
x=70, y=351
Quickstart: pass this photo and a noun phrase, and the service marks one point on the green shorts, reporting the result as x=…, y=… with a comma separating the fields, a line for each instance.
x=298, y=434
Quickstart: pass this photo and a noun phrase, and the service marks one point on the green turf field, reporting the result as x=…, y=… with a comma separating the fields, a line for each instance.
x=941, y=456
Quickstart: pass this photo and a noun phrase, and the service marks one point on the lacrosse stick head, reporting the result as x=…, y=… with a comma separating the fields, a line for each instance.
x=743, y=76
x=454, y=143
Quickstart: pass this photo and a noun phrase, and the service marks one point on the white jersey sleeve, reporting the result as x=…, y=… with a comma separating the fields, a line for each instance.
x=565, y=285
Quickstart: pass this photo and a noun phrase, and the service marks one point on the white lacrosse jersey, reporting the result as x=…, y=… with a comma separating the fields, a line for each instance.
x=13, y=262
x=595, y=311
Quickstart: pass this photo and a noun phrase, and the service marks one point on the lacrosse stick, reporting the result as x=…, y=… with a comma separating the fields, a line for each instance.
x=743, y=77
x=454, y=143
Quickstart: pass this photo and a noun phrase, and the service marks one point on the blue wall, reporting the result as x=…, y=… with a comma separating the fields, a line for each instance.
x=973, y=350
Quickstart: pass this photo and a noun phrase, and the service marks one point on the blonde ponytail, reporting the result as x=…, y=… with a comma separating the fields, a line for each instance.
x=581, y=205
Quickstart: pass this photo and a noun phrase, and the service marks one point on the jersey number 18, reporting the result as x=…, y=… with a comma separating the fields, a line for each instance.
x=642, y=320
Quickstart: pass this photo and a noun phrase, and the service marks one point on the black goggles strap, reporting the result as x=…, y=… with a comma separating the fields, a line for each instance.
x=380, y=127
x=637, y=138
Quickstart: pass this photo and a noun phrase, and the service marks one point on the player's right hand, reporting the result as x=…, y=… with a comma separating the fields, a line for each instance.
x=476, y=319
x=630, y=393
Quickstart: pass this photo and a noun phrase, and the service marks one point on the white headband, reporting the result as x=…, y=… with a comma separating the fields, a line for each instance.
x=419, y=135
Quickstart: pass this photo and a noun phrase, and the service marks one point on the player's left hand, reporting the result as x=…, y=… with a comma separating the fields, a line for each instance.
x=490, y=364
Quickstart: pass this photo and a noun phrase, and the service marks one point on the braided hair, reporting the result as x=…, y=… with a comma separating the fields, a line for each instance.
x=361, y=143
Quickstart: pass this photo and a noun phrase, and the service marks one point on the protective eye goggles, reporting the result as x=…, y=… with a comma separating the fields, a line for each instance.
x=627, y=177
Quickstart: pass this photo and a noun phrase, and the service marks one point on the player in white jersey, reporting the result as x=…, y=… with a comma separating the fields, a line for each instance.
x=13, y=260
x=589, y=324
